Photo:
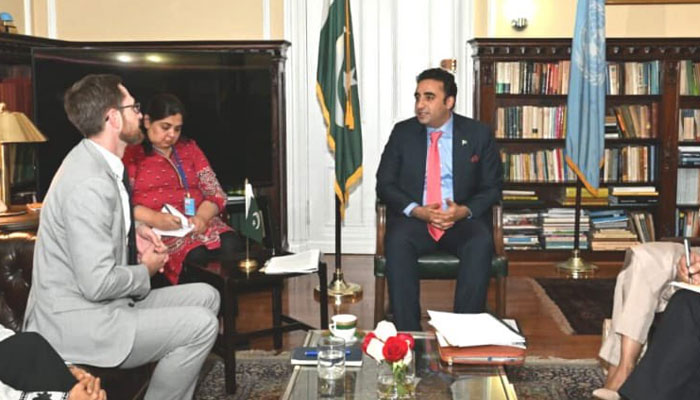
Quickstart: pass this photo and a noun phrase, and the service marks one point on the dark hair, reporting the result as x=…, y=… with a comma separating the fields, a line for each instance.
x=88, y=100
x=439, y=74
x=162, y=106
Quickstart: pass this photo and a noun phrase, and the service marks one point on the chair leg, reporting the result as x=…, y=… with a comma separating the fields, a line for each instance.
x=379, y=287
x=501, y=296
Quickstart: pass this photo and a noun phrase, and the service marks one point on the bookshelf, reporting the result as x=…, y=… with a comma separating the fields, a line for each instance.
x=520, y=88
x=687, y=220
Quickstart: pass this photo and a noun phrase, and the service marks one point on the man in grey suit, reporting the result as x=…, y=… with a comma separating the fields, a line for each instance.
x=85, y=299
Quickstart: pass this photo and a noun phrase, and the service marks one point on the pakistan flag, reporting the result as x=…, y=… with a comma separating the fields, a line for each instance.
x=252, y=227
x=336, y=88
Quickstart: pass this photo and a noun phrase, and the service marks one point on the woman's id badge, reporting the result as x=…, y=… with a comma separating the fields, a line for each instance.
x=189, y=206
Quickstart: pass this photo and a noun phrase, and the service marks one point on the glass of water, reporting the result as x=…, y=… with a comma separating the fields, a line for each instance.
x=331, y=358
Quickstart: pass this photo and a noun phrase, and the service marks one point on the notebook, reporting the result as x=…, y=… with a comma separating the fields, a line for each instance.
x=307, y=356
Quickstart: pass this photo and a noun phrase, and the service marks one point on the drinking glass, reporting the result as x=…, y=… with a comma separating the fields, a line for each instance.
x=331, y=358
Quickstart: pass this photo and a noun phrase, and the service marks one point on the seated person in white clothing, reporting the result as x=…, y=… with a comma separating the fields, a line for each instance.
x=642, y=290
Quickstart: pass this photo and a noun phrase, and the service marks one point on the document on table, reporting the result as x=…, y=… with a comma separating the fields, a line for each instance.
x=300, y=263
x=181, y=232
x=688, y=286
x=465, y=330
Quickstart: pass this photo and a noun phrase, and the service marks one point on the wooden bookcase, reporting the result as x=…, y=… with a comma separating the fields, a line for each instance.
x=488, y=53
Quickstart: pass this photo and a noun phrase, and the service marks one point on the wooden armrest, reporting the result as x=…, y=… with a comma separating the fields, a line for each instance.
x=381, y=228
x=499, y=248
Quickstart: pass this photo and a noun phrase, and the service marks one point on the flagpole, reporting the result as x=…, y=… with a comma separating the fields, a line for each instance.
x=575, y=266
x=338, y=289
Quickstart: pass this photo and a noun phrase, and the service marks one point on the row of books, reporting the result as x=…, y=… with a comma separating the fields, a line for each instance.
x=554, y=229
x=531, y=122
x=688, y=187
x=630, y=164
x=689, y=78
x=539, y=166
x=687, y=223
x=636, y=78
x=558, y=228
x=688, y=124
x=637, y=120
x=611, y=230
x=527, y=77
x=689, y=156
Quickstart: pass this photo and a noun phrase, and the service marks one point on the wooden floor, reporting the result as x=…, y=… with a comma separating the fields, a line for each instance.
x=544, y=336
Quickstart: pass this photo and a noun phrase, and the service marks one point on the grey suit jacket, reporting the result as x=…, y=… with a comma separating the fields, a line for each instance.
x=81, y=289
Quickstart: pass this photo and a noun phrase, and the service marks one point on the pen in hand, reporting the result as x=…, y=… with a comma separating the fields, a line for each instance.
x=686, y=244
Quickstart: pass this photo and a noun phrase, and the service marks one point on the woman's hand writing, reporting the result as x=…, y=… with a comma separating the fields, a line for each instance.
x=167, y=222
x=694, y=276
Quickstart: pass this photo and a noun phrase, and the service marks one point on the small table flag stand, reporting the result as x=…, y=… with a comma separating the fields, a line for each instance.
x=248, y=264
x=248, y=227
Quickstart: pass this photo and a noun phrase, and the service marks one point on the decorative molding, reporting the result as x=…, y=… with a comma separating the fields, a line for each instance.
x=617, y=49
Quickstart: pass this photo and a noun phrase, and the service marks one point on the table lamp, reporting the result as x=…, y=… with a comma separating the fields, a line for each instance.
x=15, y=127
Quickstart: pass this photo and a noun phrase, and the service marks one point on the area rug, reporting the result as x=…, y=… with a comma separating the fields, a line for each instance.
x=579, y=306
x=555, y=379
x=260, y=375
x=263, y=375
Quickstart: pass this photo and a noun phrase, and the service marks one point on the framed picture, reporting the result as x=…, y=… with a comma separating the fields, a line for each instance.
x=613, y=2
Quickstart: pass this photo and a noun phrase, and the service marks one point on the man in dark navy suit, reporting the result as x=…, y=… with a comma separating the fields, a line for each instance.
x=439, y=175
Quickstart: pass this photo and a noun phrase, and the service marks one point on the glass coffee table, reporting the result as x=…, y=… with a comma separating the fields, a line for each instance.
x=436, y=380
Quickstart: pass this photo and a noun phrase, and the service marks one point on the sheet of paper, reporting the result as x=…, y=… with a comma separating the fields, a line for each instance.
x=463, y=330
x=299, y=263
x=688, y=286
x=181, y=232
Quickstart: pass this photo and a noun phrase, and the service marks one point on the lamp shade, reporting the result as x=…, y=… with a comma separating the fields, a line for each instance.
x=15, y=127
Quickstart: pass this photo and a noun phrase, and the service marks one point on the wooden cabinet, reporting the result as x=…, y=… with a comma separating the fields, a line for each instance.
x=656, y=149
x=233, y=90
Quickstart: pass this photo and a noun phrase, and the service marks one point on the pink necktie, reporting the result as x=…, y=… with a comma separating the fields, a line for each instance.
x=433, y=191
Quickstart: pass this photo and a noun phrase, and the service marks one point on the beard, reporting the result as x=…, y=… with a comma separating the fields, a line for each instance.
x=131, y=135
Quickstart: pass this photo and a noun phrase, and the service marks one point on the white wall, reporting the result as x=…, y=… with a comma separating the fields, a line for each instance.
x=394, y=41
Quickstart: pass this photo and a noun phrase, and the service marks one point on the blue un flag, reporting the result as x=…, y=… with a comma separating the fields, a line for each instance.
x=585, y=122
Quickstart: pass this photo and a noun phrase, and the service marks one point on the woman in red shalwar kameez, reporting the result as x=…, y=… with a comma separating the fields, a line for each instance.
x=170, y=169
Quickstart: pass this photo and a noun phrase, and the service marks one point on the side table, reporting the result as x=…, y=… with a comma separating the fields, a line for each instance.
x=230, y=281
x=25, y=222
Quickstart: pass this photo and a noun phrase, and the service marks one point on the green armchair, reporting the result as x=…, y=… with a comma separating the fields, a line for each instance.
x=440, y=265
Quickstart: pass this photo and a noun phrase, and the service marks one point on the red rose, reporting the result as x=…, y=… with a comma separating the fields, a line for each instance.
x=408, y=338
x=365, y=342
x=395, y=349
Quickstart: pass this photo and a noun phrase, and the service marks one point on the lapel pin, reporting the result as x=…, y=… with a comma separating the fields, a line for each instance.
x=464, y=142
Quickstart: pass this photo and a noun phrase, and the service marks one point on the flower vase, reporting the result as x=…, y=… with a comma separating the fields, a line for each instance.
x=396, y=380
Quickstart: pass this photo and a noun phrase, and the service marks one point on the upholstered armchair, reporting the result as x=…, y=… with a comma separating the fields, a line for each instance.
x=16, y=257
x=440, y=265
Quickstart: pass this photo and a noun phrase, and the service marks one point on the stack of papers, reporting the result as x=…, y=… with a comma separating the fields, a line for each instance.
x=181, y=232
x=301, y=263
x=468, y=330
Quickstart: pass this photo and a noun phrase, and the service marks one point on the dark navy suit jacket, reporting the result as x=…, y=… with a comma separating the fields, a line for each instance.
x=476, y=165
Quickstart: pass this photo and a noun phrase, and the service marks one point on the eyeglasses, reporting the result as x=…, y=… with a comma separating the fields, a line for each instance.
x=135, y=106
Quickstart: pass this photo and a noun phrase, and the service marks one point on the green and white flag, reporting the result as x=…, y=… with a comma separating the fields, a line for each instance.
x=252, y=226
x=336, y=88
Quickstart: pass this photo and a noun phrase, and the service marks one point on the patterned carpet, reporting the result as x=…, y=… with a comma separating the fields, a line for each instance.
x=260, y=375
x=556, y=379
x=579, y=306
x=263, y=376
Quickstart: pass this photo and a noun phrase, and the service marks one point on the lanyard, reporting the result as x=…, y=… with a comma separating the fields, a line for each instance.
x=179, y=170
